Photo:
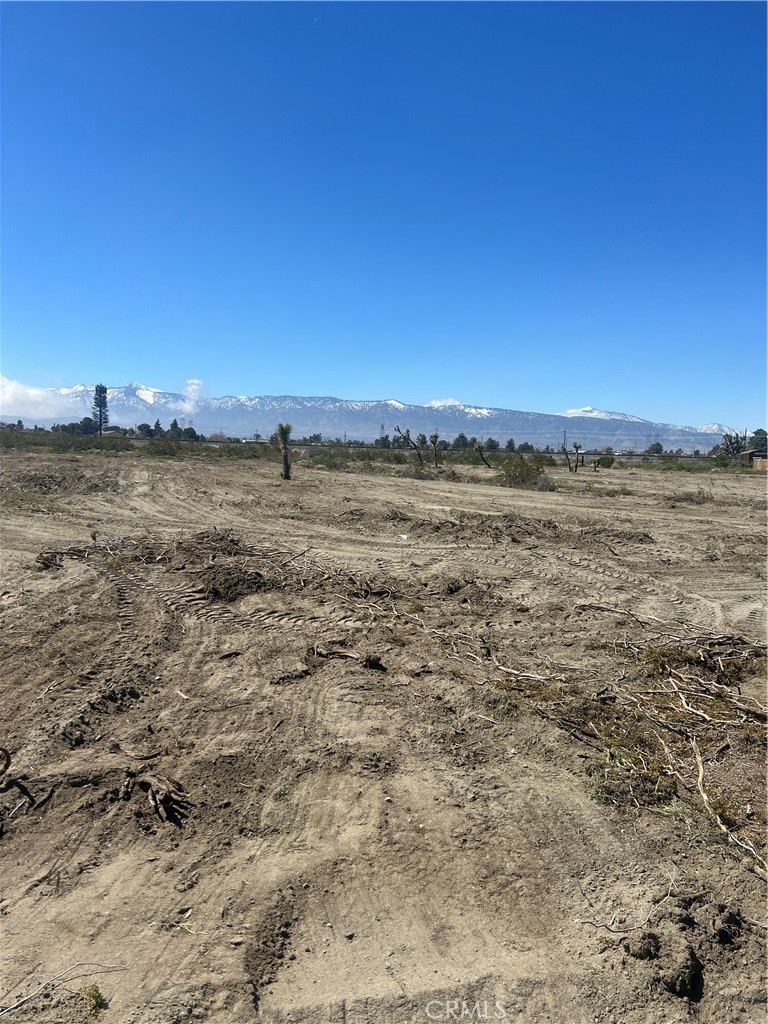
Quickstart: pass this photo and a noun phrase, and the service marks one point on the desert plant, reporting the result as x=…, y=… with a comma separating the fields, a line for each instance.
x=94, y=1000
x=545, y=484
x=406, y=436
x=697, y=497
x=433, y=439
x=733, y=445
x=283, y=437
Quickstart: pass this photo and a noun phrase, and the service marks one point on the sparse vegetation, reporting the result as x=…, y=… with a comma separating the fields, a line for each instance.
x=697, y=497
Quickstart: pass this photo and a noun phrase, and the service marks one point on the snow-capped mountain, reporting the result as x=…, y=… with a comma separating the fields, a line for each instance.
x=244, y=415
x=600, y=414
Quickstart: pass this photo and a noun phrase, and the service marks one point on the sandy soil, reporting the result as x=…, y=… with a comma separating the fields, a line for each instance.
x=356, y=749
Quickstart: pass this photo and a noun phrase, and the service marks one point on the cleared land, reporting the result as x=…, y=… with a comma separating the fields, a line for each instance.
x=359, y=749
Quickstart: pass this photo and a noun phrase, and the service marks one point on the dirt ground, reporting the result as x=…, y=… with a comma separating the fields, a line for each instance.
x=352, y=749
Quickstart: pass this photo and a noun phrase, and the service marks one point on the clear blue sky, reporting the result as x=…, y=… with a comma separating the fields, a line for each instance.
x=528, y=205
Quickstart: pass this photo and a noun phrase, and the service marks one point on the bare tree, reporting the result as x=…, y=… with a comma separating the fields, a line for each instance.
x=406, y=436
x=479, y=449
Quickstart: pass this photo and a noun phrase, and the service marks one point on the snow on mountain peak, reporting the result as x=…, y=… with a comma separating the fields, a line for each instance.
x=715, y=428
x=588, y=411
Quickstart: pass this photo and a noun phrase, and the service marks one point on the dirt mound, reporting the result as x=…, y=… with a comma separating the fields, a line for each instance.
x=465, y=526
x=230, y=582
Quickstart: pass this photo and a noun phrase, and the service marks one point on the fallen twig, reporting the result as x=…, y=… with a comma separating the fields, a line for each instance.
x=744, y=844
x=118, y=749
x=56, y=981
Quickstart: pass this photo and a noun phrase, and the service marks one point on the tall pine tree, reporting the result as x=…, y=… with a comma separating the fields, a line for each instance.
x=100, y=410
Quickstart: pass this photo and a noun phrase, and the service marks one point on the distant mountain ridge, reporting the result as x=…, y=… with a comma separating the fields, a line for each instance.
x=244, y=415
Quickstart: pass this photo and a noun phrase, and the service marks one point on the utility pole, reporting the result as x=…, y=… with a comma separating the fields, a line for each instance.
x=565, y=438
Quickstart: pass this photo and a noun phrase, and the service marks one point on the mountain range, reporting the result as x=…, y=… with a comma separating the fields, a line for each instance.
x=242, y=416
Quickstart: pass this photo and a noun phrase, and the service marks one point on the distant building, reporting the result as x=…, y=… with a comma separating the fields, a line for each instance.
x=753, y=454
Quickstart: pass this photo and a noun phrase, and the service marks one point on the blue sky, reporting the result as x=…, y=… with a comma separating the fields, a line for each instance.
x=527, y=205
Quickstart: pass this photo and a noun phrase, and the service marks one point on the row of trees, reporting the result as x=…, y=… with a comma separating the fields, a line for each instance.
x=730, y=447
x=459, y=443
x=88, y=426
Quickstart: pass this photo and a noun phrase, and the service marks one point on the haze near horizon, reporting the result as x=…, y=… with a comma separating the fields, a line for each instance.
x=522, y=206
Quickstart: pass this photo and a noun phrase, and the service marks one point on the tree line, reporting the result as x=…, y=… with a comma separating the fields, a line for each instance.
x=731, y=446
x=95, y=424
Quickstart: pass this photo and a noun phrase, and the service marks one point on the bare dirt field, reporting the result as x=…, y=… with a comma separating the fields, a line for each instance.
x=361, y=749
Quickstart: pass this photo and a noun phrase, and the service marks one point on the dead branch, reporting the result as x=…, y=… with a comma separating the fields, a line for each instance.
x=686, y=633
x=524, y=675
x=166, y=796
x=118, y=749
x=62, y=979
x=744, y=844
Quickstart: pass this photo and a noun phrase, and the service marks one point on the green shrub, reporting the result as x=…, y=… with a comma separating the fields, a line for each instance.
x=515, y=471
x=331, y=458
x=53, y=441
x=162, y=448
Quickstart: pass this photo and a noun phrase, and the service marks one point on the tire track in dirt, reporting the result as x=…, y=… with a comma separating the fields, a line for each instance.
x=186, y=599
x=395, y=836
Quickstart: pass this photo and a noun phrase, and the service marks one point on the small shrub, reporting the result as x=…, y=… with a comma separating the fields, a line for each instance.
x=332, y=458
x=544, y=483
x=94, y=1000
x=615, y=492
x=697, y=497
